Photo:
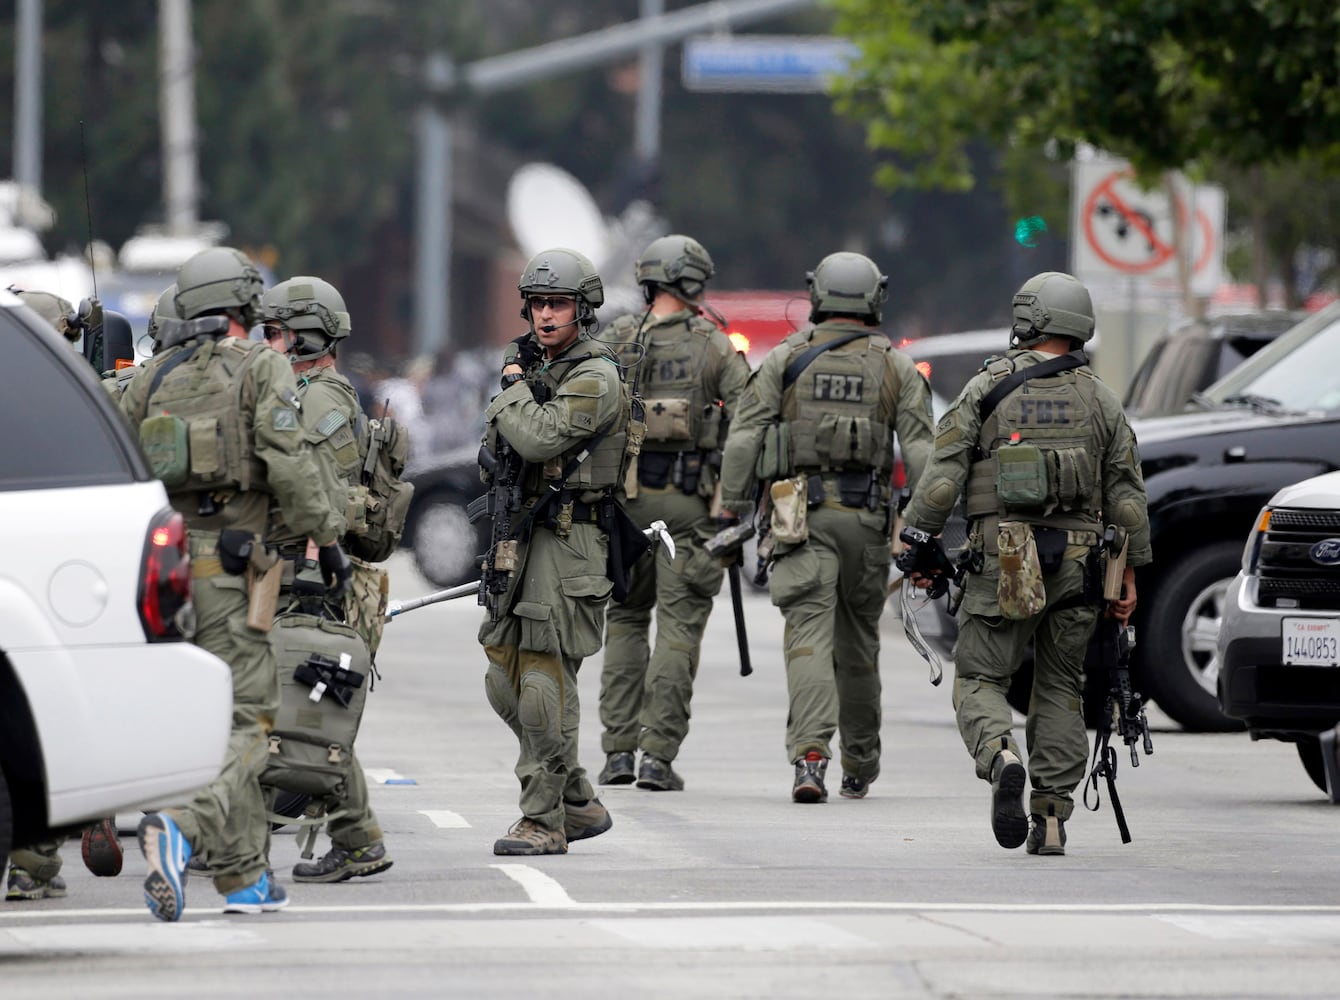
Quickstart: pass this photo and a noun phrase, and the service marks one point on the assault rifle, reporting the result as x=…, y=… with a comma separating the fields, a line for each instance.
x=1124, y=709
x=505, y=469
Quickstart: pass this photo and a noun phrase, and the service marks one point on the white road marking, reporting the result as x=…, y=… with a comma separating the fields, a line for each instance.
x=445, y=819
x=733, y=933
x=154, y=936
x=382, y=775
x=541, y=888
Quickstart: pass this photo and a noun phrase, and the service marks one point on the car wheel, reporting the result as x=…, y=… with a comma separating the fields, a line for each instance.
x=1177, y=655
x=290, y=804
x=1309, y=752
x=446, y=546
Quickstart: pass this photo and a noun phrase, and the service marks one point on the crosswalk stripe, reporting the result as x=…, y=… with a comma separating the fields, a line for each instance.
x=542, y=889
x=446, y=819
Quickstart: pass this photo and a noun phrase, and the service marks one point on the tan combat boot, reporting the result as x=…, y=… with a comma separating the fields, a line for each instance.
x=528, y=837
x=1008, y=821
x=1047, y=835
x=587, y=819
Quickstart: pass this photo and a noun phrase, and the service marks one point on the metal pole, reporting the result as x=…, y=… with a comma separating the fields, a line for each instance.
x=647, y=143
x=28, y=96
x=432, y=223
x=176, y=97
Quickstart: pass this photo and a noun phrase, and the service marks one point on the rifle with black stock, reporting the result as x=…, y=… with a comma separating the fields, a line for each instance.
x=505, y=469
x=1124, y=709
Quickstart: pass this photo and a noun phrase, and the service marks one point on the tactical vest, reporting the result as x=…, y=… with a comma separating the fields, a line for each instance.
x=197, y=428
x=604, y=467
x=1038, y=452
x=671, y=378
x=833, y=411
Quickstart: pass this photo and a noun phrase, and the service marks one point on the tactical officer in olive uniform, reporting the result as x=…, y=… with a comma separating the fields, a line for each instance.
x=816, y=427
x=552, y=613
x=1046, y=461
x=306, y=319
x=689, y=376
x=218, y=421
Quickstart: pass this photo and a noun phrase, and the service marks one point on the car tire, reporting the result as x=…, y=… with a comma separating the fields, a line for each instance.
x=6, y=823
x=1176, y=657
x=446, y=545
x=1095, y=692
x=1309, y=753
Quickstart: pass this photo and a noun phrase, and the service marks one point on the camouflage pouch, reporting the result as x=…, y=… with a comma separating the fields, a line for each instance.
x=1020, y=591
x=164, y=441
x=1021, y=477
x=790, y=507
x=365, y=607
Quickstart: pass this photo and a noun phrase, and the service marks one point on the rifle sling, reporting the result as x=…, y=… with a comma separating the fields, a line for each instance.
x=1017, y=378
x=799, y=364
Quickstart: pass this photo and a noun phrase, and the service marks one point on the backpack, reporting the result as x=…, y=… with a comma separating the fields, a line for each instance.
x=312, y=741
x=384, y=447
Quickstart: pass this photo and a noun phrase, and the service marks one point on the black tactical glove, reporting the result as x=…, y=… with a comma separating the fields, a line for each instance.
x=336, y=569
x=528, y=351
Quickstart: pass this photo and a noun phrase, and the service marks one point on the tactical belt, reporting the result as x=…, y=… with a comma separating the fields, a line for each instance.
x=857, y=489
x=581, y=513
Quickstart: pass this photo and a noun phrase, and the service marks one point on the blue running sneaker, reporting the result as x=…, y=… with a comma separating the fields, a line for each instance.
x=262, y=897
x=167, y=852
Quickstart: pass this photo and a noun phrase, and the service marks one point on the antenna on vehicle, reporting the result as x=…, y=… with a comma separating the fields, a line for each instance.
x=88, y=208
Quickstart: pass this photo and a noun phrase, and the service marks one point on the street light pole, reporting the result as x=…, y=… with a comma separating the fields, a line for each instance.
x=485, y=77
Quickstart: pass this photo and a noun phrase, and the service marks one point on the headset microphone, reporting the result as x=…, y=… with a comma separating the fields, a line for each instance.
x=551, y=328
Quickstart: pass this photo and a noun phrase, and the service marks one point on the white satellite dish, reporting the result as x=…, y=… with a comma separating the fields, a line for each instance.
x=548, y=207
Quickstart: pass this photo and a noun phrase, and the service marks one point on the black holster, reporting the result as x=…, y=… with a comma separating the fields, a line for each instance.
x=235, y=550
x=627, y=543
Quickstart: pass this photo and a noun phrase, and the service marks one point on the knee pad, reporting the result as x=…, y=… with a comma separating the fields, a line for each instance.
x=501, y=695
x=539, y=708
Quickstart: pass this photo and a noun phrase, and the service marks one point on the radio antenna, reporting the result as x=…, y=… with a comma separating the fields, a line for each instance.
x=88, y=208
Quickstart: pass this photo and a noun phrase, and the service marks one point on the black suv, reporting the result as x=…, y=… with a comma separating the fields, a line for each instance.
x=1272, y=421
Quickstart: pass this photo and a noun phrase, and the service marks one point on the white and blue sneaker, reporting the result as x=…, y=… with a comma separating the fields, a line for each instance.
x=262, y=897
x=167, y=851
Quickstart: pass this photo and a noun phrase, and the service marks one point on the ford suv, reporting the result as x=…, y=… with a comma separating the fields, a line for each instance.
x=1279, y=644
x=103, y=707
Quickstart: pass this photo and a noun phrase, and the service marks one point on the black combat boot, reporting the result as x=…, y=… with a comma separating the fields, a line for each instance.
x=658, y=776
x=809, y=784
x=618, y=769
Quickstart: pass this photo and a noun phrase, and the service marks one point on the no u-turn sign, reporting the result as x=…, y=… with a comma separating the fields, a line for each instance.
x=1121, y=230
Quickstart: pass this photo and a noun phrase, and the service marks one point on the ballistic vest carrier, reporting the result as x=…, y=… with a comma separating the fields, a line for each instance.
x=1038, y=451
x=833, y=410
x=679, y=415
x=603, y=469
x=197, y=428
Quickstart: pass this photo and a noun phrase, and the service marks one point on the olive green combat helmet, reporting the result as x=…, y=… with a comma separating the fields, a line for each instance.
x=848, y=284
x=165, y=308
x=313, y=309
x=1052, y=304
x=219, y=279
x=561, y=271
x=679, y=264
x=54, y=309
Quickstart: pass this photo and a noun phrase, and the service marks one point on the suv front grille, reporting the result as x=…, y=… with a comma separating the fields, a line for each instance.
x=1285, y=564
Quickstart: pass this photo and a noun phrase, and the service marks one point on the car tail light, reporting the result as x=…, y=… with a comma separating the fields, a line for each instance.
x=165, y=576
x=739, y=341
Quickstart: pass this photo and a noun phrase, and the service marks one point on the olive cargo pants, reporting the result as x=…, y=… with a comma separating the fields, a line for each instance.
x=831, y=592
x=986, y=656
x=645, y=691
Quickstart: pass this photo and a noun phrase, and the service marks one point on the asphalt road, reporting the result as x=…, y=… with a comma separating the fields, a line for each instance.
x=728, y=889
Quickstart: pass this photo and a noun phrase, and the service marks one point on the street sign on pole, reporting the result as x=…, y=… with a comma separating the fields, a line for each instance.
x=791, y=64
x=1123, y=231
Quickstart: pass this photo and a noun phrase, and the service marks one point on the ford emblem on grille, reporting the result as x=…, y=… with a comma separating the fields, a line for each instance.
x=1326, y=552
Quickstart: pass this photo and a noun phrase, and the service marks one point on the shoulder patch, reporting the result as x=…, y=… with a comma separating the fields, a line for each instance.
x=285, y=419
x=330, y=423
x=584, y=387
